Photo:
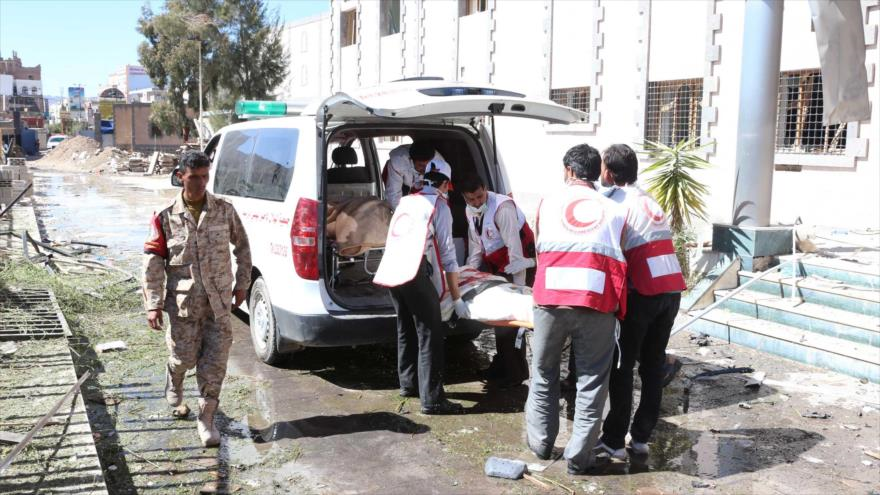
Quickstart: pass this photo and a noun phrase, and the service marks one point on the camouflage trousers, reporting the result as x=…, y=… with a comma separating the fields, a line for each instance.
x=198, y=340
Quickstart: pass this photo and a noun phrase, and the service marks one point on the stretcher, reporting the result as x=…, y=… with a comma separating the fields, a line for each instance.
x=492, y=300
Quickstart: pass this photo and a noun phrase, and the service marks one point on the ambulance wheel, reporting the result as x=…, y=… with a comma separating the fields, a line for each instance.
x=264, y=331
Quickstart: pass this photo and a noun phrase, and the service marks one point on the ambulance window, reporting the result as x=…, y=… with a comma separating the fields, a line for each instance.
x=235, y=159
x=272, y=164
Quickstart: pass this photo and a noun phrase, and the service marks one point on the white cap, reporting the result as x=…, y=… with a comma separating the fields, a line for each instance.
x=439, y=165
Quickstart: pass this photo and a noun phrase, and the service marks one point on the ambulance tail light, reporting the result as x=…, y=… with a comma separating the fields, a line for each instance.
x=304, y=239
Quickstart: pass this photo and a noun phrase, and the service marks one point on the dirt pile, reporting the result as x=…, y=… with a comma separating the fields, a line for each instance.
x=80, y=153
x=83, y=154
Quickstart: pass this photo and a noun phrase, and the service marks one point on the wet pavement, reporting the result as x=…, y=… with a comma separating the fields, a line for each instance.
x=329, y=420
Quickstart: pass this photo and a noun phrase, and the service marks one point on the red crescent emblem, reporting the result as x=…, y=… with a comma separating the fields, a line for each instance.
x=582, y=215
x=402, y=225
x=656, y=216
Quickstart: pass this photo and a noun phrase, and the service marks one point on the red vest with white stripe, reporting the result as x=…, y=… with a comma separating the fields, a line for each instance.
x=410, y=237
x=494, y=251
x=647, y=244
x=580, y=258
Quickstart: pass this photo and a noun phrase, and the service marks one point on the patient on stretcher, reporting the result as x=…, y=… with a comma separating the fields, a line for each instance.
x=491, y=299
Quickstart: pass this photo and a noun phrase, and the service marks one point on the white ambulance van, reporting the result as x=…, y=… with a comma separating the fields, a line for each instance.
x=280, y=173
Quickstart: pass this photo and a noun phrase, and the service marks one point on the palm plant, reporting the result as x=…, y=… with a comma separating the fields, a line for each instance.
x=675, y=189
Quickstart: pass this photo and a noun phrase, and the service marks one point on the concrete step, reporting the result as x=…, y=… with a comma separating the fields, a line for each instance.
x=843, y=356
x=855, y=327
x=846, y=269
x=820, y=291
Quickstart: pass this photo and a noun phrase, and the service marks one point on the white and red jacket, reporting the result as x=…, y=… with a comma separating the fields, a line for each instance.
x=411, y=235
x=492, y=247
x=580, y=258
x=652, y=265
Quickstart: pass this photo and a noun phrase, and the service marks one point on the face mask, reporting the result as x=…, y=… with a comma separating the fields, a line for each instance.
x=477, y=211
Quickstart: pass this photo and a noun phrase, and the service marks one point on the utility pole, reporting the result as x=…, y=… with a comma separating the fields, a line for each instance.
x=201, y=124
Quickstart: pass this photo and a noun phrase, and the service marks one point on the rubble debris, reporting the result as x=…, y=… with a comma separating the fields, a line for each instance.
x=867, y=463
x=504, y=468
x=812, y=460
x=756, y=380
x=816, y=415
x=724, y=371
x=701, y=340
x=871, y=453
x=180, y=412
x=10, y=437
x=116, y=345
x=8, y=348
x=744, y=405
x=850, y=427
x=702, y=484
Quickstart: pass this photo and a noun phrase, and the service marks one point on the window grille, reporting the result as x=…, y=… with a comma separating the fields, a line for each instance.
x=577, y=98
x=468, y=7
x=799, y=110
x=389, y=20
x=348, y=33
x=673, y=111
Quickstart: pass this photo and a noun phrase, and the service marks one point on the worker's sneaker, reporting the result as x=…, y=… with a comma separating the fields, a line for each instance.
x=639, y=448
x=208, y=432
x=173, y=388
x=616, y=454
x=443, y=407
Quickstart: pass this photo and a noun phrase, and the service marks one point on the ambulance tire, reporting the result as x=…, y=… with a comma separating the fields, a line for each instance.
x=264, y=330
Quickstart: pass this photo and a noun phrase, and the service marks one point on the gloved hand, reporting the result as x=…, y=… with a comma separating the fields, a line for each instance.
x=515, y=267
x=461, y=309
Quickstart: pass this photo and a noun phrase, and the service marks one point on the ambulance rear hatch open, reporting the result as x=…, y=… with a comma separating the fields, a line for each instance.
x=423, y=104
x=427, y=101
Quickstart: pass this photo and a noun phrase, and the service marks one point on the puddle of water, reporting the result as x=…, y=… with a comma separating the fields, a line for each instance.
x=105, y=210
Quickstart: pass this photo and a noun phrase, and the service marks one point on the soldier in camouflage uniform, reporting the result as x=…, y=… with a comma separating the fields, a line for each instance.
x=188, y=273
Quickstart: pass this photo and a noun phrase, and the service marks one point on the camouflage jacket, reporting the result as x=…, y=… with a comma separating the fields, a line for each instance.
x=198, y=257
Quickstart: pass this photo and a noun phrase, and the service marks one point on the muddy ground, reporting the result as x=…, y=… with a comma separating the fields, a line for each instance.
x=330, y=420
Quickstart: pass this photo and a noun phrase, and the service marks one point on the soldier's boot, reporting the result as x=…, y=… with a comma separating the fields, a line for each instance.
x=173, y=387
x=208, y=432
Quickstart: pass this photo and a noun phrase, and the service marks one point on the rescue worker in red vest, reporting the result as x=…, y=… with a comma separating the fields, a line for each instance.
x=655, y=283
x=403, y=172
x=500, y=242
x=586, y=154
x=418, y=251
x=580, y=288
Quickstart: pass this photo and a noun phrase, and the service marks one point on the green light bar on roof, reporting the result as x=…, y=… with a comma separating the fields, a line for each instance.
x=251, y=108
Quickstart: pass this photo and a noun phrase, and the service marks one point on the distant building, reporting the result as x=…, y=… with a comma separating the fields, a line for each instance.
x=21, y=88
x=146, y=95
x=129, y=78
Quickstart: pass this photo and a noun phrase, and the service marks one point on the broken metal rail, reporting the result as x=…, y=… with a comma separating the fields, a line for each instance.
x=42, y=422
x=736, y=291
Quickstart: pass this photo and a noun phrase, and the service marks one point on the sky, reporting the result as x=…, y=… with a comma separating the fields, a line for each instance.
x=80, y=42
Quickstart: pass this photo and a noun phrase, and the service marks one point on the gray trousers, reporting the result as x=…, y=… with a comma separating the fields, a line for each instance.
x=592, y=335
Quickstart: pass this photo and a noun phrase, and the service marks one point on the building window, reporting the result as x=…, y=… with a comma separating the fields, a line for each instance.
x=673, y=111
x=34, y=90
x=348, y=23
x=799, y=126
x=468, y=7
x=577, y=98
x=389, y=17
x=24, y=90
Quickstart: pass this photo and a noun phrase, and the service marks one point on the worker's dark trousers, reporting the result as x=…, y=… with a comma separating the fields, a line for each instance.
x=643, y=338
x=419, y=337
